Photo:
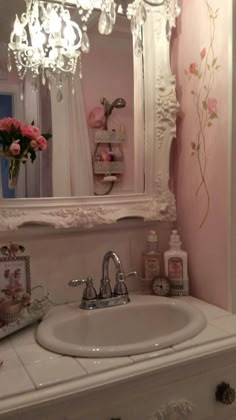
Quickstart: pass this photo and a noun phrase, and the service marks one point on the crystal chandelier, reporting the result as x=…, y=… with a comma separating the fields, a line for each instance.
x=47, y=43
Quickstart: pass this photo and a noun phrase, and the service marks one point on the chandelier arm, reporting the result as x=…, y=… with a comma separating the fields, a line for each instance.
x=58, y=3
x=150, y=3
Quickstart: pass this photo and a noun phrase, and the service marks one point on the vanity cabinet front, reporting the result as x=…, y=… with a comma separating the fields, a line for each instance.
x=184, y=388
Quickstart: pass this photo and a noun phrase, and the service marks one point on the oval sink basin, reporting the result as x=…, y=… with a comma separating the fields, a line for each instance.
x=146, y=324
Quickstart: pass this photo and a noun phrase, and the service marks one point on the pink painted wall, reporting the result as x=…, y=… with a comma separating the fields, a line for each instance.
x=207, y=245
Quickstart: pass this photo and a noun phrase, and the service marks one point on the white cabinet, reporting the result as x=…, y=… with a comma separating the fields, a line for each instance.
x=139, y=397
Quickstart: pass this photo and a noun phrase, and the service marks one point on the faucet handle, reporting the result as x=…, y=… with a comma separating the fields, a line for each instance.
x=120, y=287
x=131, y=274
x=89, y=291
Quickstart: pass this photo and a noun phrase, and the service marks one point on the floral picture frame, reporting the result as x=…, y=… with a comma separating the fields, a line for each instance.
x=15, y=283
x=15, y=269
x=18, y=306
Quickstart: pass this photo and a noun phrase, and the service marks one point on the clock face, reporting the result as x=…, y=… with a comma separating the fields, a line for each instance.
x=161, y=286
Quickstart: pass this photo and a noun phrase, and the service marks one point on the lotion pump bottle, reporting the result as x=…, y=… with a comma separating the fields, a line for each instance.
x=151, y=262
x=176, y=266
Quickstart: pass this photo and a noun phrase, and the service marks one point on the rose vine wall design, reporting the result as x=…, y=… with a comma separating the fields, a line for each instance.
x=201, y=77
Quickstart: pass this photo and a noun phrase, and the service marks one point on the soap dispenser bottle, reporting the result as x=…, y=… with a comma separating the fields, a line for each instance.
x=176, y=266
x=151, y=262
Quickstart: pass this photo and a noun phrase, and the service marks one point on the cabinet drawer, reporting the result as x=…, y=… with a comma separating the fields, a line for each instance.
x=139, y=398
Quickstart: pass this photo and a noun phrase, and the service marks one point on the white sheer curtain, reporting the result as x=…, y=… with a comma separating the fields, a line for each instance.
x=32, y=113
x=34, y=178
x=72, y=173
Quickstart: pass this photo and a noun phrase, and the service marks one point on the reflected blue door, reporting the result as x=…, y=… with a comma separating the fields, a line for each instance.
x=6, y=110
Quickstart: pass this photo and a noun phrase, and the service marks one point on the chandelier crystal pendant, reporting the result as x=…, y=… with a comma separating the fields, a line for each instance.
x=45, y=42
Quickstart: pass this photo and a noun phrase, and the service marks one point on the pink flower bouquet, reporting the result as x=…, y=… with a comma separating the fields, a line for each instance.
x=18, y=140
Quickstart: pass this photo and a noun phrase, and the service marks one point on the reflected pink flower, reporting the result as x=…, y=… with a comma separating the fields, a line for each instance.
x=14, y=148
x=212, y=105
x=27, y=131
x=42, y=142
x=35, y=131
x=16, y=123
x=203, y=53
x=96, y=117
x=105, y=156
x=6, y=124
x=192, y=68
x=33, y=144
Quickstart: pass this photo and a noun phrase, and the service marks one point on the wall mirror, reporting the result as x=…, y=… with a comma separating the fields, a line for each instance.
x=108, y=157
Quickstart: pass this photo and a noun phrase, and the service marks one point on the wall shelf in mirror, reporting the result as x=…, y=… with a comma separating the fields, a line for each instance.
x=155, y=109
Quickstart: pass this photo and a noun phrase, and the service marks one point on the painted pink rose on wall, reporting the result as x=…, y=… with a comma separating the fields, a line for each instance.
x=203, y=53
x=192, y=68
x=201, y=76
x=212, y=105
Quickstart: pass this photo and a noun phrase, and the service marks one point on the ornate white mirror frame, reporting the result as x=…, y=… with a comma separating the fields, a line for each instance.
x=157, y=203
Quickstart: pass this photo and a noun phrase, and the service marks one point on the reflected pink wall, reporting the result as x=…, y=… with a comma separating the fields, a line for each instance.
x=108, y=72
x=12, y=77
x=206, y=246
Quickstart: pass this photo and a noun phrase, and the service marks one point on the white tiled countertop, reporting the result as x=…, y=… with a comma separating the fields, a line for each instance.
x=29, y=369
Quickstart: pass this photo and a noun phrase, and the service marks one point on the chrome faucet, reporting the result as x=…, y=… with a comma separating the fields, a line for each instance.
x=106, y=297
x=120, y=286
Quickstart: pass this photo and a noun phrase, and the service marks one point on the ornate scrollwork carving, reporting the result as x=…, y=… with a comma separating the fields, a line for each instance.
x=75, y=217
x=167, y=107
x=176, y=410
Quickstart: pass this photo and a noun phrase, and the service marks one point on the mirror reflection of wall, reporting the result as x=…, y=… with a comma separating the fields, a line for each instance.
x=112, y=56
x=107, y=71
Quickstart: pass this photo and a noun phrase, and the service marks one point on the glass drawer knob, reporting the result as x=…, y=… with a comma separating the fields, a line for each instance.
x=224, y=393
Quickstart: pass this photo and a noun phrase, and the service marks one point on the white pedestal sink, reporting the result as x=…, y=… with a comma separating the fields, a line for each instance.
x=147, y=323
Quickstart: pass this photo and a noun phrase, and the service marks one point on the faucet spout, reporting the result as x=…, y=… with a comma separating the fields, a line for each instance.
x=105, y=264
x=120, y=286
x=105, y=288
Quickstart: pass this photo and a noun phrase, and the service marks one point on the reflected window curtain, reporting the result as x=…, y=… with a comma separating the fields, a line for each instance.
x=6, y=110
x=32, y=170
x=81, y=172
x=71, y=155
x=46, y=155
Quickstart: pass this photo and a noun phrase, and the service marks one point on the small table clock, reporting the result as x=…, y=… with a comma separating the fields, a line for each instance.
x=161, y=286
